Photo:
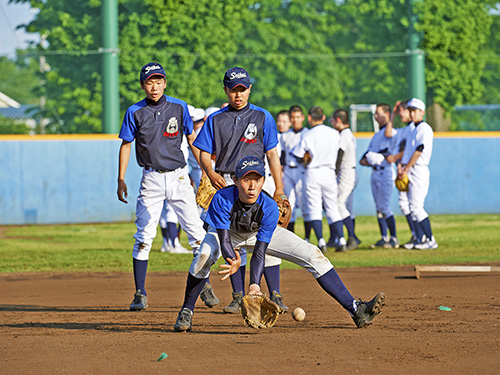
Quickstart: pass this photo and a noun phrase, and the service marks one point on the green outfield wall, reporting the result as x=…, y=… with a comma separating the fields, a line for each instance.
x=72, y=178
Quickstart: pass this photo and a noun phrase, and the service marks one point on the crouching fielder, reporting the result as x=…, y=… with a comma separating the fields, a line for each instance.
x=242, y=215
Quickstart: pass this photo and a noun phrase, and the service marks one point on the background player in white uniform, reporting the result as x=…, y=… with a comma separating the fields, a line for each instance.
x=244, y=215
x=293, y=171
x=238, y=130
x=320, y=183
x=383, y=175
x=346, y=175
x=404, y=114
x=157, y=124
x=415, y=163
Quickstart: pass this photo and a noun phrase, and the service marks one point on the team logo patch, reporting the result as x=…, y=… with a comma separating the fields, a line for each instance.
x=250, y=134
x=172, y=128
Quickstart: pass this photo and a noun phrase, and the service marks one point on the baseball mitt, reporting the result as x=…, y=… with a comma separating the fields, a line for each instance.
x=205, y=192
x=306, y=160
x=402, y=183
x=259, y=311
x=285, y=210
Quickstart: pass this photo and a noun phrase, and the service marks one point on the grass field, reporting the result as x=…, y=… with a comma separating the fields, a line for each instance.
x=108, y=247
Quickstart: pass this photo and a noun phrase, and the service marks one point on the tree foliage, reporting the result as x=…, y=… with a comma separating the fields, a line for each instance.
x=322, y=52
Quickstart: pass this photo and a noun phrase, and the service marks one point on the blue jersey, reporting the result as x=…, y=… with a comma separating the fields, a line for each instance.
x=233, y=134
x=158, y=128
x=226, y=211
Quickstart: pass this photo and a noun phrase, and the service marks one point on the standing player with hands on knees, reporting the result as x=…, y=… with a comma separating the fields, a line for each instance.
x=237, y=130
x=242, y=215
x=157, y=124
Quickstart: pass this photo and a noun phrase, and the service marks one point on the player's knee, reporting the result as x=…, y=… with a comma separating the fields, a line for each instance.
x=141, y=250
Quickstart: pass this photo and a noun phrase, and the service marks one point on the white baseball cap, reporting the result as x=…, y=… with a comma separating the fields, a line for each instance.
x=197, y=114
x=211, y=110
x=416, y=103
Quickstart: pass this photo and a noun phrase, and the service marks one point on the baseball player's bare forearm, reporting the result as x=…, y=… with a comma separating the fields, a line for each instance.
x=412, y=162
x=275, y=168
x=390, y=126
x=194, y=150
x=217, y=180
x=123, y=159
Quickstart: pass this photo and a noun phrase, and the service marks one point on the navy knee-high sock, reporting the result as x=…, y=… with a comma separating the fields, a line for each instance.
x=291, y=226
x=349, y=224
x=307, y=229
x=419, y=232
x=317, y=226
x=194, y=286
x=382, y=224
x=272, y=276
x=238, y=280
x=426, y=227
x=140, y=268
x=333, y=285
x=337, y=229
x=411, y=225
x=172, y=232
x=391, y=223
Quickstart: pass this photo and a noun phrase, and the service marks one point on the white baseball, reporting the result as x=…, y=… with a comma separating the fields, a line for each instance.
x=298, y=314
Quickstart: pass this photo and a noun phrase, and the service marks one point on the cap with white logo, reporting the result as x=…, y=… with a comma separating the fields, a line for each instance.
x=152, y=69
x=416, y=103
x=236, y=77
x=249, y=164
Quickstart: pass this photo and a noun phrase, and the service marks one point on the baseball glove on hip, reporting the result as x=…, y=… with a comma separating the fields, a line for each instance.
x=285, y=210
x=259, y=311
x=306, y=160
x=402, y=183
x=205, y=192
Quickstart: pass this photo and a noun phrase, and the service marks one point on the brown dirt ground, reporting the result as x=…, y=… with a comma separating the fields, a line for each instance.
x=80, y=324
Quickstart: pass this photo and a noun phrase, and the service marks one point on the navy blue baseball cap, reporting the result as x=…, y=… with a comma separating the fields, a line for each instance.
x=249, y=164
x=152, y=69
x=236, y=77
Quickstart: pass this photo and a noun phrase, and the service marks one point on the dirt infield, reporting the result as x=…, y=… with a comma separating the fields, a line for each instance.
x=80, y=324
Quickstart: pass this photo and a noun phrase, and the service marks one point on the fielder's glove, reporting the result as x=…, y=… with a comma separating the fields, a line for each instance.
x=306, y=160
x=402, y=183
x=205, y=192
x=285, y=210
x=258, y=311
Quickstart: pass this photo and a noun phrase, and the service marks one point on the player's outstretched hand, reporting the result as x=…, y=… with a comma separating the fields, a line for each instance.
x=122, y=191
x=217, y=180
x=232, y=267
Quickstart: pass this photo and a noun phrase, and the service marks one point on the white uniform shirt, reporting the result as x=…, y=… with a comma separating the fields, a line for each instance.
x=323, y=144
x=401, y=137
x=348, y=145
x=422, y=134
x=288, y=141
x=380, y=142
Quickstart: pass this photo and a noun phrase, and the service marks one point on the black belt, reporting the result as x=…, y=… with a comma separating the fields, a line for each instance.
x=377, y=167
x=148, y=168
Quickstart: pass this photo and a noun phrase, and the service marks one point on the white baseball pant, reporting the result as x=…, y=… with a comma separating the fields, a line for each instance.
x=175, y=187
x=284, y=245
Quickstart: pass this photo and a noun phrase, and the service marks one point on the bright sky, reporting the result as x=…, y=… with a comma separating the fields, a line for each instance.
x=12, y=15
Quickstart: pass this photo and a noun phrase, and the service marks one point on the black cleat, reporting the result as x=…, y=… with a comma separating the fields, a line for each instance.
x=235, y=306
x=366, y=311
x=140, y=301
x=277, y=298
x=208, y=296
x=184, y=320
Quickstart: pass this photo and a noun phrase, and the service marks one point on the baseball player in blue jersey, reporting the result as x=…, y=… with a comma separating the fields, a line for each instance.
x=243, y=215
x=322, y=143
x=403, y=112
x=346, y=175
x=157, y=124
x=238, y=130
x=293, y=171
x=383, y=175
x=415, y=163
